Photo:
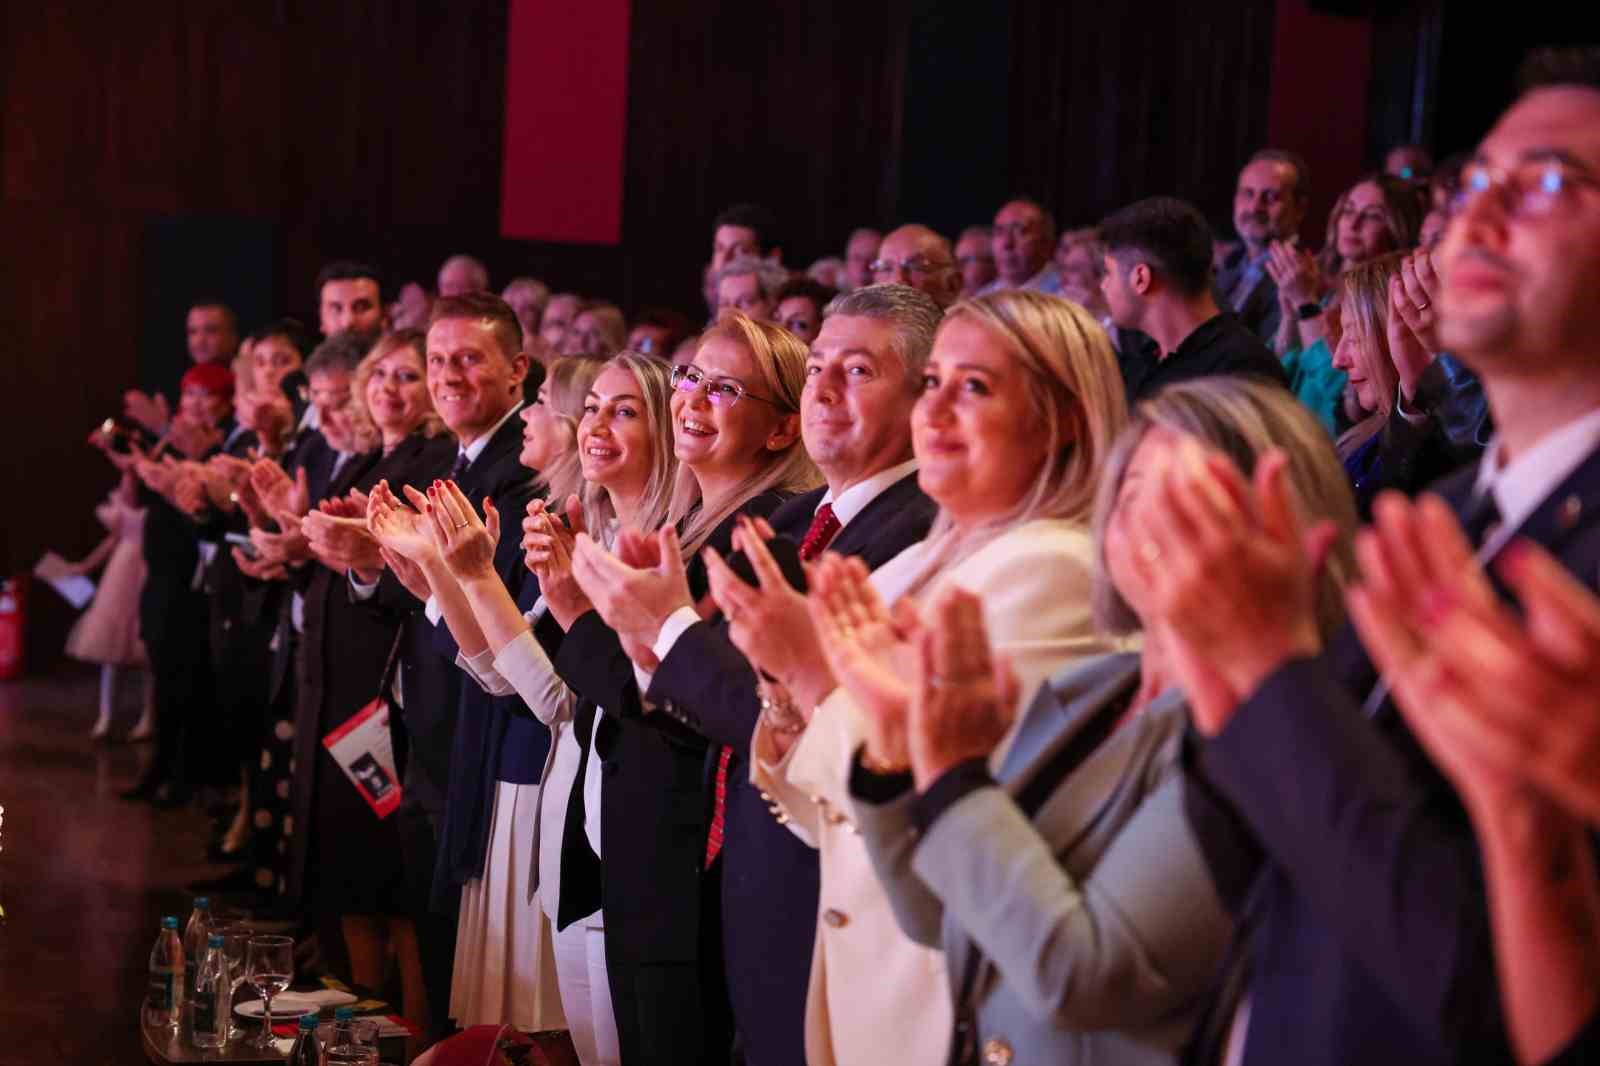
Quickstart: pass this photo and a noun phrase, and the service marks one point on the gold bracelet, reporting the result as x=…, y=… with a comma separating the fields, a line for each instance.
x=780, y=711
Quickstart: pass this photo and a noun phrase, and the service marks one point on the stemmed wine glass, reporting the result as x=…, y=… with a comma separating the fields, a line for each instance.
x=269, y=966
x=235, y=940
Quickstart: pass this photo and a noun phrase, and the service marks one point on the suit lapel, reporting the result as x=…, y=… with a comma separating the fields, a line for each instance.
x=1059, y=711
x=878, y=522
x=487, y=470
x=1570, y=510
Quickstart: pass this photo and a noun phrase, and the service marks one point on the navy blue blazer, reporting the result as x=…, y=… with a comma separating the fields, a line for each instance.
x=769, y=877
x=1348, y=860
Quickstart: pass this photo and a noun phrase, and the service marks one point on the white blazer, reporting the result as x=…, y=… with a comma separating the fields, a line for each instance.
x=876, y=996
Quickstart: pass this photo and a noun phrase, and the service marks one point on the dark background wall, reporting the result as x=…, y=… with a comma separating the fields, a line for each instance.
x=153, y=151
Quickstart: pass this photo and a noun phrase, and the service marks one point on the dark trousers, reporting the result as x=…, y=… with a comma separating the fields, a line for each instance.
x=436, y=930
x=185, y=696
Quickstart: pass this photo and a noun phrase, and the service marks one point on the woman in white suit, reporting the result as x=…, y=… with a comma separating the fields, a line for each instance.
x=1021, y=399
x=1076, y=911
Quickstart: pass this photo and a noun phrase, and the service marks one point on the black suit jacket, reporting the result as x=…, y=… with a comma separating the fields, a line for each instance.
x=662, y=928
x=769, y=877
x=1348, y=860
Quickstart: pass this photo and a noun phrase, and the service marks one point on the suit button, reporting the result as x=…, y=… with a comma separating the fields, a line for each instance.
x=996, y=1052
x=835, y=919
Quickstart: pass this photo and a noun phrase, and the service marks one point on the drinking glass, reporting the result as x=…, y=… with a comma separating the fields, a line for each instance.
x=269, y=966
x=234, y=940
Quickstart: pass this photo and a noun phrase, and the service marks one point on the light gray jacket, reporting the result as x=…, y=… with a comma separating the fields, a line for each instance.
x=1099, y=926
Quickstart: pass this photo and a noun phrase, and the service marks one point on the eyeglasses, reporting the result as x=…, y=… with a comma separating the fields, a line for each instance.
x=1531, y=190
x=917, y=264
x=722, y=392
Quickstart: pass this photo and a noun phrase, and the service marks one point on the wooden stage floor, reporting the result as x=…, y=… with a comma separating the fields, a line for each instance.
x=84, y=876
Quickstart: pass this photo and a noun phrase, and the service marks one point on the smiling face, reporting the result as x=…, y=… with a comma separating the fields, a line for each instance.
x=472, y=380
x=722, y=440
x=614, y=439
x=1354, y=355
x=1364, y=227
x=978, y=440
x=397, y=392
x=855, y=412
x=203, y=405
x=330, y=395
x=546, y=436
x=1266, y=203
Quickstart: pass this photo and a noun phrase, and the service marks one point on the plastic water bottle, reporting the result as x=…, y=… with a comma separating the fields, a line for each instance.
x=307, y=1050
x=212, y=999
x=195, y=935
x=164, y=1000
x=348, y=1045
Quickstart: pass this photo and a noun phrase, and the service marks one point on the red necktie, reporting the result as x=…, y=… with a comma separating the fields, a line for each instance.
x=824, y=527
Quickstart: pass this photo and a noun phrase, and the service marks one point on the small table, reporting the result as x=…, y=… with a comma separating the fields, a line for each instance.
x=163, y=1047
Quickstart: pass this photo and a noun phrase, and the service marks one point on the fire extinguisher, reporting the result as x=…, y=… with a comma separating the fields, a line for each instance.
x=11, y=601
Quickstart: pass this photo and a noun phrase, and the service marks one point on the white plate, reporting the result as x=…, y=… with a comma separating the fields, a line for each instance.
x=289, y=1005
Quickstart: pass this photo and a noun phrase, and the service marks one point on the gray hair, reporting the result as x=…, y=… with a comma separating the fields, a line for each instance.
x=341, y=352
x=912, y=313
x=541, y=291
x=1242, y=419
x=769, y=275
x=480, y=273
x=1302, y=173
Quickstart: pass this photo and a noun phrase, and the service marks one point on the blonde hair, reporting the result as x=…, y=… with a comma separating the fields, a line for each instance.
x=780, y=360
x=654, y=379
x=362, y=426
x=1076, y=400
x=566, y=384
x=1364, y=291
x=1242, y=419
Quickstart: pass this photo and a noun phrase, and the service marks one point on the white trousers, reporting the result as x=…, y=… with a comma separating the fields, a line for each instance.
x=586, y=993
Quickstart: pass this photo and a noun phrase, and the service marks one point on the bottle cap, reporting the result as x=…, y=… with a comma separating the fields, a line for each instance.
x=214, y=941
x=169, y=922
x=308, y=1021
x=343, y=1014
x=202, y=903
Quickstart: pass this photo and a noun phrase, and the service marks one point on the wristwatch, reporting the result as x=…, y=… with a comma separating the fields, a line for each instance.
x=1308, y=310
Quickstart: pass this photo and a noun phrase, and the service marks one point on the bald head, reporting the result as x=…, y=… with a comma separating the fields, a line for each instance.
x=462, y=274
x=917, y=256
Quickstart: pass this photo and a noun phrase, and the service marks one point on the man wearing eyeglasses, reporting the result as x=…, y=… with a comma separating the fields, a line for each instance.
x=1023, y=238
x=1362, y=895
x=917, y=256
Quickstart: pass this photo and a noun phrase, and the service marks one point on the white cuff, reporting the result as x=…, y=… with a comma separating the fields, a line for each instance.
x=431, y=609
x=480, y=668
x=359, y=590
x=1416, y=418
x=673, y=628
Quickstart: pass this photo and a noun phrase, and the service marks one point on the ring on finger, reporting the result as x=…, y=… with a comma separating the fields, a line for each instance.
x=1424, y=305
x=1149, y=552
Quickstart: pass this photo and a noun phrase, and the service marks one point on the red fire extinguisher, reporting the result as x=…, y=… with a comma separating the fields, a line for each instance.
x=11, y=601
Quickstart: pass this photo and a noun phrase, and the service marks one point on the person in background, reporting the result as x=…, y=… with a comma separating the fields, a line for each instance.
x=750, y=287
x=859, y=252
x=1158, y=281
x=527, y=297
x=350, y=300
x=1408, y=162
x=1023, y=237
x=462, y=274
x=598, y=332
x=975, y=259
x=108, y=631
x=550, y=427
x=657, y=331
x=744, y=231
x=410, y=307
x=799, y=305
x=211, y=334
x=829, y=271
x=915, y=255
x=1270, y=201
x=556, y=322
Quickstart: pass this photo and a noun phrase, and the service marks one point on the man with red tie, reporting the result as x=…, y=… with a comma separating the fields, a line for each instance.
x=863, y=376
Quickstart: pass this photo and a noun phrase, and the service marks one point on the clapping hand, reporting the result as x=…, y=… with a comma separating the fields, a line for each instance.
x=285, y=499
x=1412, y=325
x=1232, y=573
x=288, y=547
x=547, y=546
x=464, y=544
x=193, y=437
x=399, y=529
x=159, y=475
x=338, y=537
x=633, y=601
x=1500, y=701
x=258, y=568
x=189, y=488
x=151, y=412
x=964, y=697
x=871, y=650
x=1295, y=273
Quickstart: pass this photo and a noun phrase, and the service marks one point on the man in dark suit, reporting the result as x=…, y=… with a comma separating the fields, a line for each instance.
x=1349, y=862
x=476, y=368
x=1269, y=203
x=863, y=376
